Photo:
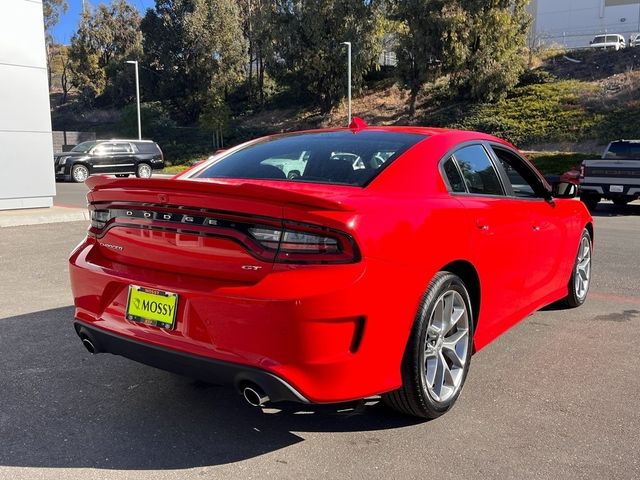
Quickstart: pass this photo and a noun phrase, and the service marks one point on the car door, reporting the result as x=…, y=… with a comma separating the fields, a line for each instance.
x=497, y=240
x=545, y=228
x=100, y=158
x=122, y=158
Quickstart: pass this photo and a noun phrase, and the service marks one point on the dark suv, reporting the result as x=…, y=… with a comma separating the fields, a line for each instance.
x=111, y=157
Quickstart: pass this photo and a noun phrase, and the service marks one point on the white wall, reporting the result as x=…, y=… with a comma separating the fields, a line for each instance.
x=573, y=23
x=26, y=151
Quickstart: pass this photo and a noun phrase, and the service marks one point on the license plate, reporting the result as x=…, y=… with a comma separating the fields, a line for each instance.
x=616, y=188
x=152, y=307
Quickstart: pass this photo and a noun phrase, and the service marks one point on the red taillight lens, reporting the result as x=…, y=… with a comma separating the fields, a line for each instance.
x=300, y=243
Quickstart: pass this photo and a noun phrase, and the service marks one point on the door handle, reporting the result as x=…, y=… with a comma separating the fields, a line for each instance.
x=482, y=225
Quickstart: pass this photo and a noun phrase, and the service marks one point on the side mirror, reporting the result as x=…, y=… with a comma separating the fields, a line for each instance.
x=565, y=190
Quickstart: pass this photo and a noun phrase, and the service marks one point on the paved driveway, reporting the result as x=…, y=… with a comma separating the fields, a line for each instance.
x=556, y=397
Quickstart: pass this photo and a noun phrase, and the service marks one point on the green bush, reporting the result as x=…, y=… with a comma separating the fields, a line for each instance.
x=547, y=112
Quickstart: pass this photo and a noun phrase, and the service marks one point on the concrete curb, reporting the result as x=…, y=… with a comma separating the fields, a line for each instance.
x=36, y=216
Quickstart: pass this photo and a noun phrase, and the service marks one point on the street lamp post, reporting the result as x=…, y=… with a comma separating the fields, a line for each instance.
x=348, y=44
x=135, y=62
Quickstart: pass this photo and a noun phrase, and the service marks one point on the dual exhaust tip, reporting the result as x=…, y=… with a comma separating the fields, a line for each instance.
x=254, y=395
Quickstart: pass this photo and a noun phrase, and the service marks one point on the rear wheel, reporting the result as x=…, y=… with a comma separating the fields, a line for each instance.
x=438, y=353
x=580, y=279
x=79, y=173
x=143, y=170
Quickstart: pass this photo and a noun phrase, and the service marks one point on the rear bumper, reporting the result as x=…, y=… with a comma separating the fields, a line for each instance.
x=604, y=189
x=194, y=366
x=332, y=333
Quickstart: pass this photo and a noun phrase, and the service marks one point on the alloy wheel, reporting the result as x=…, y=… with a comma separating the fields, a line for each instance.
x=80, y=173
x=446, y=346
x=583, y=269
x=144, y=171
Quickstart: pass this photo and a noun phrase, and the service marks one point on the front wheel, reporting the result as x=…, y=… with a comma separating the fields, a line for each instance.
x=580, y=279
x=143, y=171
x=438, y=354
x=79, y=173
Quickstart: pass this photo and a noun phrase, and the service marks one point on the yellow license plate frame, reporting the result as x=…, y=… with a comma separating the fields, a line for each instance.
x=150, y=306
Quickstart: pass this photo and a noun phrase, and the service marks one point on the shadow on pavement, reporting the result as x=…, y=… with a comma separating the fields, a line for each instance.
x=62, y=407
x=611, y=210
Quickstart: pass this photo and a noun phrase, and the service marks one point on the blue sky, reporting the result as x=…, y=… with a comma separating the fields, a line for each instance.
x=65, y=29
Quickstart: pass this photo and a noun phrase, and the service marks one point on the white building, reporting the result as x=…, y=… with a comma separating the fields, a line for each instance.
x=573, y=23
x=26, y=152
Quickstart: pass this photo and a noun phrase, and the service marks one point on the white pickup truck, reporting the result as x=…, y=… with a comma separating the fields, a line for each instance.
x=615, y=176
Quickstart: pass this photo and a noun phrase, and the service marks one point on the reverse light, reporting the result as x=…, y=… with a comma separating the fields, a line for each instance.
x=99, y=218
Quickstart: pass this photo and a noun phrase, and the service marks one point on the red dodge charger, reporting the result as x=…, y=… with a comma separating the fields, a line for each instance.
x=330, y=265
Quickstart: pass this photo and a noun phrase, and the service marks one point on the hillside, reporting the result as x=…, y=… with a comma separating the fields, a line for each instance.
x=568, y=103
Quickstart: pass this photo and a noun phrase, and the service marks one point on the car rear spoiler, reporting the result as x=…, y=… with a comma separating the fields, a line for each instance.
x=223, y=187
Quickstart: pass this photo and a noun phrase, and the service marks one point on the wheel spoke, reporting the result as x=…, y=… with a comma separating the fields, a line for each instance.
x=431, y=368
x=438, y=381
x=447, y=317
x=453, y=347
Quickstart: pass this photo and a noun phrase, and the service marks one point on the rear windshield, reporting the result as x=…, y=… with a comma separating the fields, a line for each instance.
x=342, y=157
x=623, y=150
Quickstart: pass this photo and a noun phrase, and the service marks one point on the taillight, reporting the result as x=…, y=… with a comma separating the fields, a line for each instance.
x=302, y=243
x=99, y=219
x=272, y=240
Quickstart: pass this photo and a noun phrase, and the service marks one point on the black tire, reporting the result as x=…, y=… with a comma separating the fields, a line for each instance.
x=79, y=173
x=143, y=170
x=591, y=201
x=414, y=397
x=620, y=202
x=122, y=175
x=573, y=299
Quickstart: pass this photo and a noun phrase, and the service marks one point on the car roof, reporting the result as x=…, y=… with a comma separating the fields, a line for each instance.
x=122, y=140
x=450, y=134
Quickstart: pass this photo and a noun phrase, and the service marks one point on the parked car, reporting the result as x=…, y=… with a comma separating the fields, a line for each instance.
x=615, y=176
x=118, y=157
x=634, y=40
x=344, y=282
x=615, y=42
x=292, y=164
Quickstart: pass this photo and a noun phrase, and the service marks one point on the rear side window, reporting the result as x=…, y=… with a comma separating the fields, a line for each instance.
x=477, y=170
x=121, y=148
x=340, y=157
x=456, y=183
x=147, y=147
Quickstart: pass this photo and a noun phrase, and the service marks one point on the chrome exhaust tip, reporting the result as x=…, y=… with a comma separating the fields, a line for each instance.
x=88, y=344
x=255, y=396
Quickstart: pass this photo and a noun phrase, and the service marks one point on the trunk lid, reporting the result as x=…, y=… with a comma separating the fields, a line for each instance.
x=198, y=227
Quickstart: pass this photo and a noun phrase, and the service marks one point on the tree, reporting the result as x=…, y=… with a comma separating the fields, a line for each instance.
x=194, y=47
x=308, y=50
x=476, y=42
x=51, y=10
x=103, y=42
x=497, y=38
x=258, y=18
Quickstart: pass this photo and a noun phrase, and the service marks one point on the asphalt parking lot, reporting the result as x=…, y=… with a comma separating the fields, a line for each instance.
x=558, y=396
